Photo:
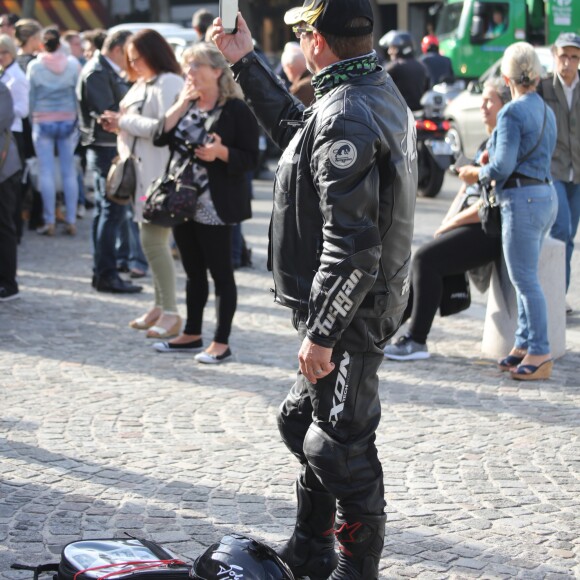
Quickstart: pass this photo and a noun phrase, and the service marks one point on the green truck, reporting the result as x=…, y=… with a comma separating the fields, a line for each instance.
x=475, y=33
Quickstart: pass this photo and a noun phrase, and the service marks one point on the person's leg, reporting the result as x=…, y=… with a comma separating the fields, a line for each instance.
x=137, y=259
x=21, y=191
x=237, y=245
x=80, y=177
x=562, y=228
x=44, y=144
x=526, y=217
x=573, y=194
x=341, y=414
x=216, y=244
x=123, y=244
x=454, y=252
x=8, y=238
x=156, y=246
x=66, y=143
x=310, y=550
x=111, y=216
x=196, y=287
x=92, y=167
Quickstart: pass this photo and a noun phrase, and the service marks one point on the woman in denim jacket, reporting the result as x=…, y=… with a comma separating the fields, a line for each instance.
x=53, y=107
x=520, y=152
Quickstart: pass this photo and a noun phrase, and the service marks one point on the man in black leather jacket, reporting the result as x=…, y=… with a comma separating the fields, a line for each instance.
x=340, y=243
x=101, y=88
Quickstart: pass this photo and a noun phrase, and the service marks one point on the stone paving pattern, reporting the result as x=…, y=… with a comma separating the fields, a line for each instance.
x=100, y=435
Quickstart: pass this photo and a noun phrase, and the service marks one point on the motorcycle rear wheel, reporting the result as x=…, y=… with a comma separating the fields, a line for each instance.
x=430, y=176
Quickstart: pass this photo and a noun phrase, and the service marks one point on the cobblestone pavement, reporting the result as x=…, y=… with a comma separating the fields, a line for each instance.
x=100, y=435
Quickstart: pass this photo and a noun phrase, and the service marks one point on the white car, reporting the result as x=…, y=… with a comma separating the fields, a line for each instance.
x=467, y=131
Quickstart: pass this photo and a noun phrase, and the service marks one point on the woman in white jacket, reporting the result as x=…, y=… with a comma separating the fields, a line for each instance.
x=151, y=63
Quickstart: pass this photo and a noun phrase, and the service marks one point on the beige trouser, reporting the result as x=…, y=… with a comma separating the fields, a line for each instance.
x=155, y=243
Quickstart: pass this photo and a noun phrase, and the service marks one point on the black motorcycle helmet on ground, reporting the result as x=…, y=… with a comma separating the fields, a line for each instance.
x=238, y=557
x=400, y=40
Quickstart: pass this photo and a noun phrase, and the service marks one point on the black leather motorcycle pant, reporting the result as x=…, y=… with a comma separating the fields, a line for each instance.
x=330, y=426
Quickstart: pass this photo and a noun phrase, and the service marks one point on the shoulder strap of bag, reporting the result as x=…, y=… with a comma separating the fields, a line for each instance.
x=528, y=154
x=38, y=570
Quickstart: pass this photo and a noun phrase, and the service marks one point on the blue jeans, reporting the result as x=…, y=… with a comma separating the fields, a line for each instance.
x=129, y=250
x=527, y=215
x=64, y=136
x=109, y=216
x=566, y=224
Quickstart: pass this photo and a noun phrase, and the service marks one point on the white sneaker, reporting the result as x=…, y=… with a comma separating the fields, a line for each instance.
x=406, y=349
x=81, y=212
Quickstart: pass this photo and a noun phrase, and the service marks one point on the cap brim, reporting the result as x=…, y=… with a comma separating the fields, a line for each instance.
x=295, y=15
x=565, y=44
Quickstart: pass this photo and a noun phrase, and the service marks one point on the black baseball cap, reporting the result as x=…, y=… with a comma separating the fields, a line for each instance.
x=332, y=16
x=568, y=39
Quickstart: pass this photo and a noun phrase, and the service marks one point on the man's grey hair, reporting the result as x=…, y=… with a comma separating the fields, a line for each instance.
x=498, y=85
x=292, y=54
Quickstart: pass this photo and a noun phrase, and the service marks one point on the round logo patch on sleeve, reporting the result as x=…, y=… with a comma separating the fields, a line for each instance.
x=343, y=154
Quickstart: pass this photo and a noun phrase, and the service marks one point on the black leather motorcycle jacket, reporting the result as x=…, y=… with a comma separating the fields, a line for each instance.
x=99, y=89
x=344, y=198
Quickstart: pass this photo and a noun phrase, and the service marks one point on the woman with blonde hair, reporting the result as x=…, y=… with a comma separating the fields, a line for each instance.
x=213, y=128
x=520, y=152
x=152, y=66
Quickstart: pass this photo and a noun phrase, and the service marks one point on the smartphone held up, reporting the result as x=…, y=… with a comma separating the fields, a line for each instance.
x=228, y=12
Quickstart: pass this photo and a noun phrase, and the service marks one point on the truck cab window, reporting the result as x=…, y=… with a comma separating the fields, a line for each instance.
x=490, y=20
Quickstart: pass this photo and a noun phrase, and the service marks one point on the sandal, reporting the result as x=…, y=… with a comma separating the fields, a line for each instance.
x=532, y=372
x=141, y=322
x=161, y=332
x=512, y=360
x=509, y=362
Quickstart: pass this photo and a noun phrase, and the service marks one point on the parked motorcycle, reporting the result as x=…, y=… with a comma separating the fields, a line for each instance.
x=434, y=152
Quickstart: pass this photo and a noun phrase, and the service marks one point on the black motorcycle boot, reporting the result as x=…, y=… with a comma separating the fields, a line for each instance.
x=310, y=551
x=361, y=544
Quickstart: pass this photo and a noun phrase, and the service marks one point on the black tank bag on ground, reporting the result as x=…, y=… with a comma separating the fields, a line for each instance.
x=113, y=559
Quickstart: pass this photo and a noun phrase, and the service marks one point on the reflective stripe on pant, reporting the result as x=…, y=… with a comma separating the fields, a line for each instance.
x=330, y=426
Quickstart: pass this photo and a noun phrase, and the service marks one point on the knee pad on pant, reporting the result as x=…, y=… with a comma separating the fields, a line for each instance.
x=352, y=472
x=292, y=432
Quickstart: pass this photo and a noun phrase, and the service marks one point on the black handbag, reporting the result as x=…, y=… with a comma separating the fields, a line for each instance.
x=172, y=199
x=456, y=295
x=489, y=212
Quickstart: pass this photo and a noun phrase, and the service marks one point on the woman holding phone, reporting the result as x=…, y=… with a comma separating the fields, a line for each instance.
x=212, y=127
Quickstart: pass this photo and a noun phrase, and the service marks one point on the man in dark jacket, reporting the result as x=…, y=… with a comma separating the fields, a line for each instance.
x=340, y=242
x=9, y=190
x=439, y=67
x=101, y=88
x=410, y=76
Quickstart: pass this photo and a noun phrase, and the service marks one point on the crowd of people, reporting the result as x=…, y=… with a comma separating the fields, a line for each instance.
x=347, y=178
x=99, y=97
x=79, y=100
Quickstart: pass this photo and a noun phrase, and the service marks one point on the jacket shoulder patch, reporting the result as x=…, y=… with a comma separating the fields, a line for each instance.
x=343, y=154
